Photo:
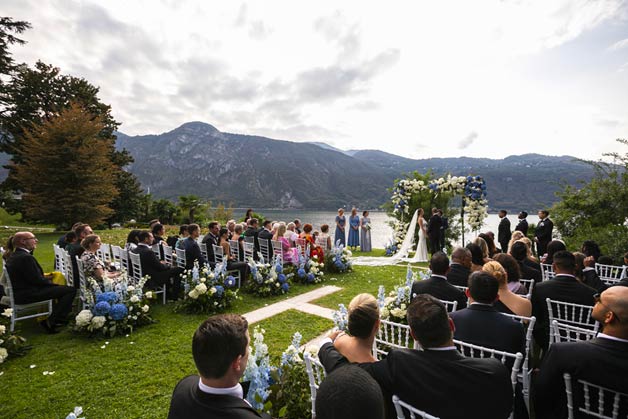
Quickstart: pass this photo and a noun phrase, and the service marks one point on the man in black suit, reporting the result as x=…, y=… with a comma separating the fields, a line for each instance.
x=192, y=249
x=437, y=284
x=266, y=234
x=220, y=351
x=563, y=287
x=480, y=324
x=444, y=225
x=433, y=231
x=252, y=231
x=30, y=285
x=159, y=271
x=522, y=226
x=460, y=267
x=503, y=231
x=210, y=240
x=602, y=361
x=543, y=232
x=519, y=251
x=438, y=379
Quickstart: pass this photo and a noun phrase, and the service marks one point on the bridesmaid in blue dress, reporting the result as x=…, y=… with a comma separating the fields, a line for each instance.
x=354, y=229
x=341, y=221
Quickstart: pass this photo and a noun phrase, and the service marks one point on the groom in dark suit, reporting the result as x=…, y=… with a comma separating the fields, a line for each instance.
x=433, y=231
x=220, y=351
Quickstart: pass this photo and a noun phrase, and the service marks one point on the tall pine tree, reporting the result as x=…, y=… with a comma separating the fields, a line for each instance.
x=66, y=172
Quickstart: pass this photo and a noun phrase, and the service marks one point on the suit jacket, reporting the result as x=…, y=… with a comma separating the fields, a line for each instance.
x=483, y=325
x=543, y=230
x=562, y=288
x=267, y=235
x=252, y=232
x=441, y=289
x=522, y=226
x=503, y=231
x=429, y=379
x=458, y=275
x=189, y=402
x=600, y=361
x=433, y=226
x=592, y=279
x=532, y=264
x=530, y=273
x=25, y=272
x=210, y=240
x=192, y=253
x=151, y=265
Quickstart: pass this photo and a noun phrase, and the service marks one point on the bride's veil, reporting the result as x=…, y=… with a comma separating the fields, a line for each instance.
x=408, y=242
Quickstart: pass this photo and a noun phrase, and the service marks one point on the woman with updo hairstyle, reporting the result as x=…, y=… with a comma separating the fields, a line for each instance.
x=92, y=265
x=363, y=323
x=508, y=301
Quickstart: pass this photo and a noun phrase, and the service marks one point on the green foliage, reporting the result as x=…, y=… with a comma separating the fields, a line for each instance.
x=290, y=393
x=191, y=205
x=9, y=219
x=164, y=210
x=259, y=216
x=598, y=210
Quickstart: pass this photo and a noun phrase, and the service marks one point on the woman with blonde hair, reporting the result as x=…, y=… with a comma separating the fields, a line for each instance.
x=289, y=254
x=516, y=235
x=508, y=302
x=484, y=247
x=363, y=323
x=530, y=260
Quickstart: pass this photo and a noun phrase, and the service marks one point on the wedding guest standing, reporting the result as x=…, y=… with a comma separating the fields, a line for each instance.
x=365, y=238
x=503, y=231
x=522, y=226
x=248, y=215
x=341, y=222
x=354, y=229
x=433, y=231
x=543, y=232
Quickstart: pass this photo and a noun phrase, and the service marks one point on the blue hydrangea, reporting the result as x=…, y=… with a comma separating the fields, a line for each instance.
x=101, y=309
x=310, y=277
x=110, y=297
x=219, y=291
x=230, y=281
x=279, y=268
x=118, y=311
x=301, y=272
x=285, y=287
x=281, y=278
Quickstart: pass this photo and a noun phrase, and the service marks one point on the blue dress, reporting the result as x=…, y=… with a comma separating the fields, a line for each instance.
x=354, y=231
x=339, y=236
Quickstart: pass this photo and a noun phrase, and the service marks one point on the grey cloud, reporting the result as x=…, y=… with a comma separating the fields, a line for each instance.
x=241, y=18
x=258, y=30
x=468, y=140
x=337, y=30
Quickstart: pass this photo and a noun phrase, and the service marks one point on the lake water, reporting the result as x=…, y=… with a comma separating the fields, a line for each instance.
x=380, y=230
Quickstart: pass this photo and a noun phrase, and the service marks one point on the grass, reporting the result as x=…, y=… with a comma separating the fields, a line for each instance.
x=133, y=377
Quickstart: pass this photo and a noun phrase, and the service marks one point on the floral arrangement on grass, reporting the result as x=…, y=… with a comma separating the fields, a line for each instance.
x=394, y=306
x=11, y=344
x=117, y=307
x=338, y=259
x=281, y=391
x=206, y=291
x=267, y=279
x=310, y=270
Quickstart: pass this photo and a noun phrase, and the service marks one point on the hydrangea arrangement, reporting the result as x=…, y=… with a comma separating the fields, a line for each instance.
x=11, y=344
x=257, y=371
x=338, y=259
x=267, y=279
x=310, y=270
x=341, y=317
x=206, y=291
x=117, y=307
x=394, y=306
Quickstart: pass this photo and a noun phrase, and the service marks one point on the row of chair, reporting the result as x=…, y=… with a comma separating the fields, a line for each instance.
x=609, y=274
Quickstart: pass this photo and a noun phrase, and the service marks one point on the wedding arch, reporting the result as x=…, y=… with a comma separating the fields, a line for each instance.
x=472, y=190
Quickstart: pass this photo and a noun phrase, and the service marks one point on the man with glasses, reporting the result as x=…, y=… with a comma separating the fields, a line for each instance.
x=30, y=285
x=602, y=361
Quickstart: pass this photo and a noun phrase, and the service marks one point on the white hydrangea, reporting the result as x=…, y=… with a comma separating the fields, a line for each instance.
x=149, y=295
x=8, y=312
x=84, y=318
x=3, y=329
x=145, y=308
x=130, y=288
x=212, y=290
x=193, y=294
x=3, y=355
x=98, y=322
x=201, y=288
x=134, y=299
x=397, y=312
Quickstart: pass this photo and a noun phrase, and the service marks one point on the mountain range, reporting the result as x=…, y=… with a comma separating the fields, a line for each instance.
x=242, y=170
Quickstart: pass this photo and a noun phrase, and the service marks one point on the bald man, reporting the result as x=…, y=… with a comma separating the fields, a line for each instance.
x=602, y=361
x=30, y=285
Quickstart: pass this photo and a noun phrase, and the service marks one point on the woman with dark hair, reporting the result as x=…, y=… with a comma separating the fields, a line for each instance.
x=511, y=266
x=158, y=231
x=232, y=263
x=362, y=324
x=132, y=240
x=490, y=242
x=92, y=265
x=591, y=248
x=315, y=250
x=477, y=259
x=248, y=215
x=553, y=247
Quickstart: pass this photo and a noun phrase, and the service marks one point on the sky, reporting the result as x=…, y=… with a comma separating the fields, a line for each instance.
x=419, y=79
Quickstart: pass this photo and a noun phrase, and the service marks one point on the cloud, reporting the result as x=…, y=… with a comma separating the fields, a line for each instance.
x=618, y=45
x=468, y=140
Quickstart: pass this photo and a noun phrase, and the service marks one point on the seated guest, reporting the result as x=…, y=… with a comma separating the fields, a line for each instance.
x=158, y=232
x=289, y=254
x=291, y=234
x=480, y=323
x=585, y=272
x=508, y=302
x=266, y=234
x=192, y=249
x=484, y=247
x=92, y=265
x=314, y=249
x=160, y=272
x=362, y=325
x=232, y=262
x=519, y=251
x=516, y=235
x=512, y=268
x=349, y=393
x=591, y=248
x=76, y=250
x=132, y=240
x=531, y=260
x=489, y=238
x=238, y=237
x=437, y=284
x=459, y=270
x=173, y=241
x=297, y=226
x=602, y=360
x=220, y=348
x=61, y=241
x=563, y=287
x=427, y=379
x=152, y=222
x=69, y=239
x=212, y=239
x=553, y=247
x=324, y=239
x=252, y=231
x=476, y=257
x=30, y=285
x=231, y=227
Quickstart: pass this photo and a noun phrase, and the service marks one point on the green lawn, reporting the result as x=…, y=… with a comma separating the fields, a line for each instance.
x=133, y=376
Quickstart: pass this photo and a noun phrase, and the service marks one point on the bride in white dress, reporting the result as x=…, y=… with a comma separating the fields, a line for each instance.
x=421, y=247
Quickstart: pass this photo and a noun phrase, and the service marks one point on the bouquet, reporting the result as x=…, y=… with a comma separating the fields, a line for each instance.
x=117, y=307
x=338, y=259
x=10, y=343
x=207, y=291
x=310, y=270
x=267, y=279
